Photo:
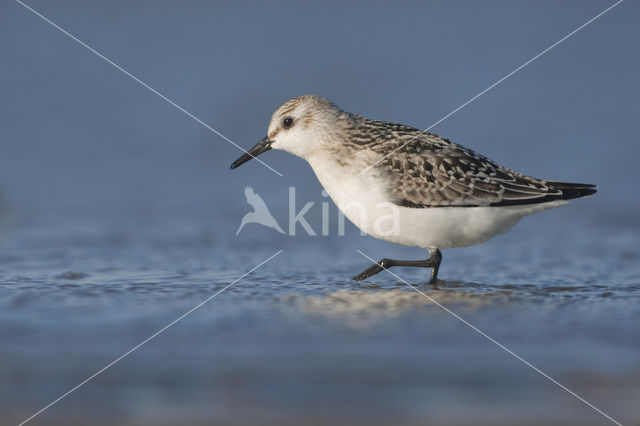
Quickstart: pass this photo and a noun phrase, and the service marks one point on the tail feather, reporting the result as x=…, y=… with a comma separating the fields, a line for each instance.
x=573, y=190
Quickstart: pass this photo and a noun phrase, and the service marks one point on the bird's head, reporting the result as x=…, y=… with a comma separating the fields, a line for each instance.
x=299, y=126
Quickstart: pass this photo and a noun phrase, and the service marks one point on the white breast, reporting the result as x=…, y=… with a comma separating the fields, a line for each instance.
x=365, y=201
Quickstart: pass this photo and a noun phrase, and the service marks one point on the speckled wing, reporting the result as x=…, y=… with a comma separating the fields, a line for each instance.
x=428, y=171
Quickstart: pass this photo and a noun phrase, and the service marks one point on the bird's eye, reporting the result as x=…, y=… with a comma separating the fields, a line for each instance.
x=287, y=122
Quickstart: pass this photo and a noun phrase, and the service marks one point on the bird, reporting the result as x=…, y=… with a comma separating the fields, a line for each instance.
x=405, y=185
x=260, y=213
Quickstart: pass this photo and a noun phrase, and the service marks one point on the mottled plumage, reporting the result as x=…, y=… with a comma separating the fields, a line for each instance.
x=427, y=170
x=404, y=185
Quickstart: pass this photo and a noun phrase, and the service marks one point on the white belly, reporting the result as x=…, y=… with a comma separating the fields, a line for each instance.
x=364, y=201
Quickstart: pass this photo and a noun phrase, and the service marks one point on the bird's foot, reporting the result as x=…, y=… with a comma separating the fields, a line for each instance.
x=432, y=262
x=364, y=275
x=372, y=270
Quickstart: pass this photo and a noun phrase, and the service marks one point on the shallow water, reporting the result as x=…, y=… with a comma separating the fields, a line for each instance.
x=118, y=214
x=297, y=341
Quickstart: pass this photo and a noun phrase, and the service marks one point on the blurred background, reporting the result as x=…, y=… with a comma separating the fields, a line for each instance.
x=118, y=213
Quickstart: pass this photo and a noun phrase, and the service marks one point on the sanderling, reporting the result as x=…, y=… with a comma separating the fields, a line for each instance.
x=444, y=194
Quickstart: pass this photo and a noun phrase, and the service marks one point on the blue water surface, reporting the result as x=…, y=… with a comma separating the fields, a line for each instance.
x=119, y=214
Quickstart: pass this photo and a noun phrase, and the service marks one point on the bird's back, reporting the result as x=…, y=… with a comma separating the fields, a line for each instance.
x=427, y=170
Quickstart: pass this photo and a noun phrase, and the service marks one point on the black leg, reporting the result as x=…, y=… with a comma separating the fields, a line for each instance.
x=436, y=258
x=432, y=262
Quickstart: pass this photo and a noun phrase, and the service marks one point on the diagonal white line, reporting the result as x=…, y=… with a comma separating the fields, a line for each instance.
x=497, y=82
x=500, y=345
x=145, y=85
x=149, y=338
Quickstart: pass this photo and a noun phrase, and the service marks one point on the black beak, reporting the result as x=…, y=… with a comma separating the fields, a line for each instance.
x=263, y=146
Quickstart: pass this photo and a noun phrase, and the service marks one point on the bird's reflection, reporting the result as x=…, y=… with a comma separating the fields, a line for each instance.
x=363, y=303
x=369, y=303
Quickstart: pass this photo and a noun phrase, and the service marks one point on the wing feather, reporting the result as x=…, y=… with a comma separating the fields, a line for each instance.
x=426, y=170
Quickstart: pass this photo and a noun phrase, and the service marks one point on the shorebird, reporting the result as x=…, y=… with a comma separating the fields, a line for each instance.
x=405, y=185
